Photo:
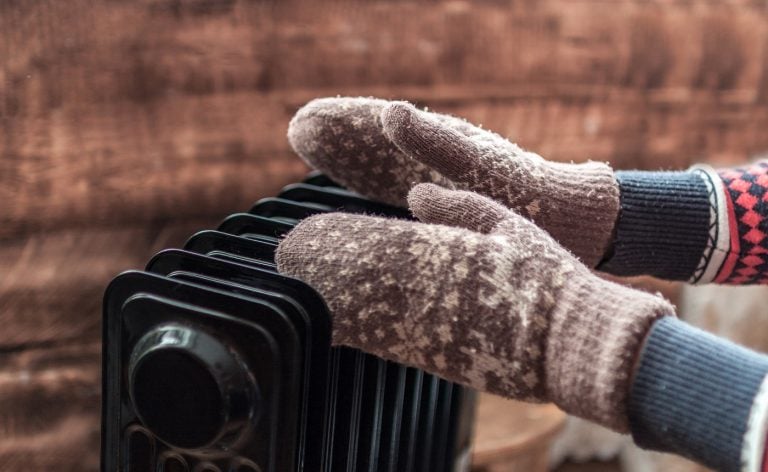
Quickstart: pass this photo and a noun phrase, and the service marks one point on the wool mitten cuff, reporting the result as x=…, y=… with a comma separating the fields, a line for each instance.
x=507, y=311
x=663, y=225
x=592, y=355
x=693, y=393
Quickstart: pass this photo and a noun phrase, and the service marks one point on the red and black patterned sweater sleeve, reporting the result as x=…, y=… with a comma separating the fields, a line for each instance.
x=699, y=226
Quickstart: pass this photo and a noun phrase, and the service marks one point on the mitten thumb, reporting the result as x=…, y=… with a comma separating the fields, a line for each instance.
x=437, y=205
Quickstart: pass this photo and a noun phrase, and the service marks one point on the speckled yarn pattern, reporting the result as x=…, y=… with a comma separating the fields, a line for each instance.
x=578, y=204
x=381, y=149
x=500, y=307
x=343, y=137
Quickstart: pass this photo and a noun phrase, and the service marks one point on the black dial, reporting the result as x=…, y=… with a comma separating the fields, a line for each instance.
x=189, y=389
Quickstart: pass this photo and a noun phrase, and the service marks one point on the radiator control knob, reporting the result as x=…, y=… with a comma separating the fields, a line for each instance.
x=189, y=389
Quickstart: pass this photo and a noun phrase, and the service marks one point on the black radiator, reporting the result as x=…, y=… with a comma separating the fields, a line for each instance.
x=212, y=361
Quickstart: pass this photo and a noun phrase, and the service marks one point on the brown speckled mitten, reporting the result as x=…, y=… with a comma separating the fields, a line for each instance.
x=343, y=137
x=381, y=149
x=506, y=310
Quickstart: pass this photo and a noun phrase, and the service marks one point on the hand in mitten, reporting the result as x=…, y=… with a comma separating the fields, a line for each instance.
x=380, y=149
x=673, y=225
x=496, y=305
x=344, y=138
x=691, y=393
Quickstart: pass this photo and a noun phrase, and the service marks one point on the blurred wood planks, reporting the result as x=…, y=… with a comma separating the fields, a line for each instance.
x=51, y=284
x=126, y=126
x=114, y=112
x=49, y=409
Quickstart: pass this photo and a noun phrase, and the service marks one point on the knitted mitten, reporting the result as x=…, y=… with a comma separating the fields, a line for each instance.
x=343, y=137
x=381, y=149
x=503, y=309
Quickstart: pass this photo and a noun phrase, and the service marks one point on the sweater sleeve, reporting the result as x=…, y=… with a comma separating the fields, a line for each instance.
x=700, y=226
x=746, y=210
x=701, y=397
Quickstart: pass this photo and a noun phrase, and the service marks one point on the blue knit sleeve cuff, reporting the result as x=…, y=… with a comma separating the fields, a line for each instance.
x=693, y=393
x=663, y=225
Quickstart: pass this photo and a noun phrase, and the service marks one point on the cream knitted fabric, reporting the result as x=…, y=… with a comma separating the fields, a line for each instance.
x=380, y=149
x=509, y=311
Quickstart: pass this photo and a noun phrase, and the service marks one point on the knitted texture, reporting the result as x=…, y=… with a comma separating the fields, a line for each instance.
x=747, y=207
x=509, y=312
x=576, y=203
x=343, y=137
x=380, y=149
x=693, y=393
x=663, y=225
x=718, y=237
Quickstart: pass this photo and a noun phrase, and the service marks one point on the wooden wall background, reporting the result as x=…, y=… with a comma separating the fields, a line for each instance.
x=126, y=126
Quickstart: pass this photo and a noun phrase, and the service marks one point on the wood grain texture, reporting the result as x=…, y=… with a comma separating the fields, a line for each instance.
x=51, y=285
x=114, y=112
x=49, y=409
x=125, y=126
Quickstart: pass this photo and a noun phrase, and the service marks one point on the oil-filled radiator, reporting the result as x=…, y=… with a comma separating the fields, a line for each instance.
x=212, y=361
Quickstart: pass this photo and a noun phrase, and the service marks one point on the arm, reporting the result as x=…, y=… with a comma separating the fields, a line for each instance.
x=481, y=296
x=692, y=393
x=700, y=226
x=701, y=397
